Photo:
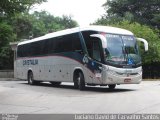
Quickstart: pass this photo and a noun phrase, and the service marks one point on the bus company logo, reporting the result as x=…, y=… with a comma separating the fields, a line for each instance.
x=30, y=62
x=85, y=59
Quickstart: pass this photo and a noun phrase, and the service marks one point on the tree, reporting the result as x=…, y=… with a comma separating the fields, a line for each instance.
x=37, y=24
x=43, y=22
x=10, y=7
x=6, y=36
x=12, y=27
x=67, y=22
x=144, y=11
x=21, y=26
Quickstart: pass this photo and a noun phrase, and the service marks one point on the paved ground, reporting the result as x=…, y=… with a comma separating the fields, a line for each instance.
x=19, y=97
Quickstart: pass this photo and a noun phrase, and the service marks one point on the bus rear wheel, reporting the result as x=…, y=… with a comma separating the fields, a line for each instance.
x=30, y=78
x=111, y=87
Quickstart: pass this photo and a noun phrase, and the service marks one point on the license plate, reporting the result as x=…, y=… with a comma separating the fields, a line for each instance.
x=98, y=75
x=127, y=80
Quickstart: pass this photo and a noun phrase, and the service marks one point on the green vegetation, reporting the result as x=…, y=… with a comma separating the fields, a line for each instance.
x=39, y=23
x=16, y=24
x=142, y=11
x=142, y=17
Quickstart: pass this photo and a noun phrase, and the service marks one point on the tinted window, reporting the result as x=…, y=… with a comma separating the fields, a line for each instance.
x=76, y=43
x=88, y=41
x=19, y=51
x=23, y=51
x=64, y=43
x=59, y=45
x=67, y=43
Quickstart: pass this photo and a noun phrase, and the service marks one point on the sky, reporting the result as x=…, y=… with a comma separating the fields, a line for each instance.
x=83, y=11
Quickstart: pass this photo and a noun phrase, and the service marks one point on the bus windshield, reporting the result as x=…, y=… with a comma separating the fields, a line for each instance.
x=122, y=50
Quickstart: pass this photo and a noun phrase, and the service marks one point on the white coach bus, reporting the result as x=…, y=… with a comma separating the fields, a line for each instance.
x=93, y=55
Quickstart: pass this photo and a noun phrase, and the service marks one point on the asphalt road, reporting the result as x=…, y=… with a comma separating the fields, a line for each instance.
x=18, y=97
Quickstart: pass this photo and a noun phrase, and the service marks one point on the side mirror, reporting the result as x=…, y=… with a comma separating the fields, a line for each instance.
x=145, y=43
x=102, y=38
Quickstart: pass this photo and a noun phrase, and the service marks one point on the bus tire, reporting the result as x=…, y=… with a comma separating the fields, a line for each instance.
x=55, y=83
x=30, y=78
x=112, y=86
x=75, y=81
x=81, y=81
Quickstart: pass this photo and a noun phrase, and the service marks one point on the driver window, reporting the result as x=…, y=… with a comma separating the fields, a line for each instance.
x=96, y=50
x=93, y=45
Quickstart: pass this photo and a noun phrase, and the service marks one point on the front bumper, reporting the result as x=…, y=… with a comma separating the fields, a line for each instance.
x=122, y=76
x=117, y=79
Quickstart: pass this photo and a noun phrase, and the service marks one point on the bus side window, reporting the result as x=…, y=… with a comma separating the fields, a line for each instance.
x=67, y=43
x=88, y=41
x=52, y=45
x=76, y=44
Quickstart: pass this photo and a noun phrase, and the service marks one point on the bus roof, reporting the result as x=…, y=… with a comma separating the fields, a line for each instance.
x=106, y=29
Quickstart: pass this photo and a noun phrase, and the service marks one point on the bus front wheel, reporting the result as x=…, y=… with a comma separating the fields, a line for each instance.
x=81, y=81
x=75, y=81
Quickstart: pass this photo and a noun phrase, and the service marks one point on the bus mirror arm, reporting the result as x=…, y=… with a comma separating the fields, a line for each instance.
x=102, y=38
x=79, y=51
x=145, y=43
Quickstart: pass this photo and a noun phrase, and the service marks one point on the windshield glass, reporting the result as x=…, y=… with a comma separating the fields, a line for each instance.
x=122, y=50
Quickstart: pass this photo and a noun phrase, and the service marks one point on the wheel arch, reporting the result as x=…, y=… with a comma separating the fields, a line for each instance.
x=30, y=70
x=76, y=71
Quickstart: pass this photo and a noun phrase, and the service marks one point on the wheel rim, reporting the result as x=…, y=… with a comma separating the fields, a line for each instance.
x=78, y=80
x=30, y=78
x=81, y=81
